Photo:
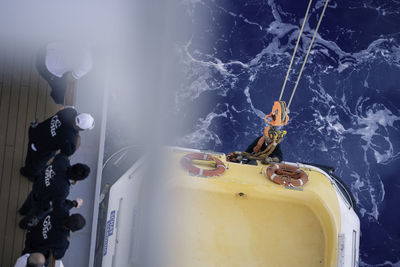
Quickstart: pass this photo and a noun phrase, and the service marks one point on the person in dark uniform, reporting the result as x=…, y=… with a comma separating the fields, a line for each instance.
x=59, y=132
x=261, y=143
x=51, y=234
x=51, y=189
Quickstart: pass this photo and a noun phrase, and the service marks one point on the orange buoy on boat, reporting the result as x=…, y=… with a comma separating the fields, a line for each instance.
x=187, y=163
x=285, y=174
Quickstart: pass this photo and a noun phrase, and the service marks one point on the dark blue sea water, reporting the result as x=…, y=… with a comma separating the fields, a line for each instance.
x=346, y=111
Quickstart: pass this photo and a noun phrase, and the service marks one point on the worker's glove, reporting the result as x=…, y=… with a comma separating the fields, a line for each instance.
x=78, y=202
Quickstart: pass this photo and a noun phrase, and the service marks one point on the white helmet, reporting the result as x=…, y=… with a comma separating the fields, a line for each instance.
x=84, y=121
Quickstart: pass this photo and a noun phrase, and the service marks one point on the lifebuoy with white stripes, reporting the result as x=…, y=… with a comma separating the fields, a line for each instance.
x=285, y=174
x=187, y=164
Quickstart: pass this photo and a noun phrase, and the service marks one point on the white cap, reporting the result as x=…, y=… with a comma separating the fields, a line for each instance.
x=84, y=121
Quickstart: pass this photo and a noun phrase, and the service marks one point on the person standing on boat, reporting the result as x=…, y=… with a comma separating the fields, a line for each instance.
x=50, y=190
x=62, y=64
x=51, y=234
x=59, y=132
x=265, y=141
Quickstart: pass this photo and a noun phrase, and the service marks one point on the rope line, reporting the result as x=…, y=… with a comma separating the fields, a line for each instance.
x=308, y=52
x=295, y=49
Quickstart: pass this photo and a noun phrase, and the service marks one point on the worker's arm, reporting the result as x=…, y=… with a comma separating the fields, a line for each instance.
x=68, y=147
x=69, y=204
x=60, y=250
x=59, y=245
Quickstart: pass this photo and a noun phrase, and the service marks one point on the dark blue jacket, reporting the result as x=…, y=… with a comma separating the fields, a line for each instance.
x=57, y=132
x=50, y=233
x=53, y=184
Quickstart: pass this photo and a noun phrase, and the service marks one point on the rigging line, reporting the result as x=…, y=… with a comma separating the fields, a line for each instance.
x=308, y=52
x=295, y=49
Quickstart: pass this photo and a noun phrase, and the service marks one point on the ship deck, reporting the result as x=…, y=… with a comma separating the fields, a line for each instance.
x=24, y=96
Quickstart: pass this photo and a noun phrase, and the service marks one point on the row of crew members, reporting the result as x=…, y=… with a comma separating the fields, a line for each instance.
x=46, y=210
x=59, y=132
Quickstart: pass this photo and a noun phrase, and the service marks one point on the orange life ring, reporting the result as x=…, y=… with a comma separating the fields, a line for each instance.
x=186, y=163
x=285, y=174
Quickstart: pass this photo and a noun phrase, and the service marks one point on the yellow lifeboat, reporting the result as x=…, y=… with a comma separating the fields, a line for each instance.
x=211, y=212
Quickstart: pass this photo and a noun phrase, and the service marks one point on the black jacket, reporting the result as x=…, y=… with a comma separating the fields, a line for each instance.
x=53, y=183
x=276, y=153
x=57, y=132
x=50, y=234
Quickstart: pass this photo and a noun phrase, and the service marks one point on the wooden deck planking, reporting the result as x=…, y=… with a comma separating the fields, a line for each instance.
x=28, y=64
x=5, y=95
x=15, y=94
x=26, y=186
x=3, y=64
x=5, y=90
x=9, y=179
x=41, y=102
x=31, y=76
x=51, y=106
x=18, y=182
x=2, y=67
x=23, y=97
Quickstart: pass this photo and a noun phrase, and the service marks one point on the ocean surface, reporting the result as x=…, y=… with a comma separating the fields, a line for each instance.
x=346, y=110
